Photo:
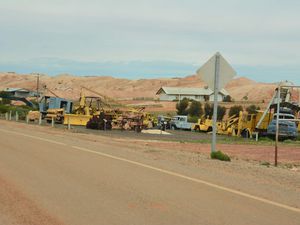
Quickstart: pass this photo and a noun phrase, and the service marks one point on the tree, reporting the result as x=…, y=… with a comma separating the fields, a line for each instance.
x=195, y=109
x=5, y=100
x=221, y=112
x=235, y=110
x=251, y=109
x=182, y=106
x=209, y=110
x=227, y=98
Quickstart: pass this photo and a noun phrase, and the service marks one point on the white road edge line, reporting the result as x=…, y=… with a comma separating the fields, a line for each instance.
x=34, y=137
x=192, y=179
x=165, y=172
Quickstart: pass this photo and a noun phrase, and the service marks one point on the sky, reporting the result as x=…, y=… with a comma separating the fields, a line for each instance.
x=155, y=38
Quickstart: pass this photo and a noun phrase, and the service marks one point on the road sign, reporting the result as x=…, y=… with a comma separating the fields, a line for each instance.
x=208, y=70
x=216, y=73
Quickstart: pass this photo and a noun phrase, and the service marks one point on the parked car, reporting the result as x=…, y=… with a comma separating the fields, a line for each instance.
x=287, y=129
x=180, y=122
x=163, y=122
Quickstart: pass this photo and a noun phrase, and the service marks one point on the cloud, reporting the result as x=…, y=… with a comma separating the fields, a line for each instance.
x=253, y=33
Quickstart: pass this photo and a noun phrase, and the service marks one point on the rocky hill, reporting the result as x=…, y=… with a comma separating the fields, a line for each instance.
x=69, y=86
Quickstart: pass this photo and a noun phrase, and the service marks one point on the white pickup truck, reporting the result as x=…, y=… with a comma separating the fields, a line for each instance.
x=180, y=122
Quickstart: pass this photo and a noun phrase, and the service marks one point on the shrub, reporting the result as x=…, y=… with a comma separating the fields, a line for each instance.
x=221, y=112
x=4, y=108
x=193, y=119
x=251, y=109
x=235, y=110
x=209, y=110
x=227, y=98
x=195, y=109
x=181, y=107
x=220, y=156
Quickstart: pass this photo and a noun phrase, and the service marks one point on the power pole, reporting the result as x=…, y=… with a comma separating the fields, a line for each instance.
x=277, y=124
x=37, y=86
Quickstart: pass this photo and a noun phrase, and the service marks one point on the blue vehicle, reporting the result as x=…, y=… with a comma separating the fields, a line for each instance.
x=49, y=102
x=287, y=129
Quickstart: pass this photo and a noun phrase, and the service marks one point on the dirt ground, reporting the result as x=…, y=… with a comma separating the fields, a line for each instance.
x=186, y=141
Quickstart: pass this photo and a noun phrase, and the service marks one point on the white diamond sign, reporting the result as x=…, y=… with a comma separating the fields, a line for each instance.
x=208, y=70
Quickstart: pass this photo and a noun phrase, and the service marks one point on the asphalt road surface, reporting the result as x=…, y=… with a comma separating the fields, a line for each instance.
x=46, y=179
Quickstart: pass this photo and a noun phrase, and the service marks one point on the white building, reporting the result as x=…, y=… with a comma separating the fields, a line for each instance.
x=198, y=94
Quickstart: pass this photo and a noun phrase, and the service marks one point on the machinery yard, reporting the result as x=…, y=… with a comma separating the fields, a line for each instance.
x=150, y=112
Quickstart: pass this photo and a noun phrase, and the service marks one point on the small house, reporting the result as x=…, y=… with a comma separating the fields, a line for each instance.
x=198, y=94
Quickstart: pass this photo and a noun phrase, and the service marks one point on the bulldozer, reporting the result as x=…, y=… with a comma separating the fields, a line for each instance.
x=88, y=106
x=120, y=116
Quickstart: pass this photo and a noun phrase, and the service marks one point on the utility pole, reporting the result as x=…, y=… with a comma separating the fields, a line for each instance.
x=277, y=124
x=37, y=86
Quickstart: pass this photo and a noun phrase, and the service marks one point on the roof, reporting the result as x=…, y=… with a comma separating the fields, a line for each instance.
x=16, y=89
x=188, y=91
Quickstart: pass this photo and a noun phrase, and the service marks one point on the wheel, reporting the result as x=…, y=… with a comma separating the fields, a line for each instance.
x=245, y=134
x=197, y=129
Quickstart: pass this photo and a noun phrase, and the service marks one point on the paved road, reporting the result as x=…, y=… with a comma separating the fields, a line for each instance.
x=49, y=181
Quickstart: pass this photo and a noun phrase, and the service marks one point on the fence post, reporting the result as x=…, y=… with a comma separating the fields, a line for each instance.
x=6, y=116
x=40, y=119
x=69, y=125
x=27, y=119
x=52, y=121
x=17, y=116
x=9, y=115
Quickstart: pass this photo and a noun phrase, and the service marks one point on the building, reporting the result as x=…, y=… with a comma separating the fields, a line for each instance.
x=198, y=94
x=20, y=92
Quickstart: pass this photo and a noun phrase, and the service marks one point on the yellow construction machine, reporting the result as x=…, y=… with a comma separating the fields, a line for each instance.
x=117, y=110
x=244, y=124
x=84, y=111
x=89, y=109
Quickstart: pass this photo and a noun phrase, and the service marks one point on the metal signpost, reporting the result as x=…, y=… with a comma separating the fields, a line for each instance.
x=216, y=73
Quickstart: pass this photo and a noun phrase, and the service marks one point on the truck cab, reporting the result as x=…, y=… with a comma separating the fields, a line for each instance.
x=180, y=122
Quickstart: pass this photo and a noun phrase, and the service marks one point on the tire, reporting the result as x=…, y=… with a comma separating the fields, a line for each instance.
x=245, y=134
x=197, y=129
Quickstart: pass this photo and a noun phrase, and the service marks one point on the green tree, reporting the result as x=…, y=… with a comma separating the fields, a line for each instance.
x=209, y=110
x=227, y=98
x=221, y=112
x=235, y=110
x=251, y=109
x=182, y=106
x=3, y=96
x=195, y=109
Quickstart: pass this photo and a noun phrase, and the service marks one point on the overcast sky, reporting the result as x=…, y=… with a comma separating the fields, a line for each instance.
x=139, y=38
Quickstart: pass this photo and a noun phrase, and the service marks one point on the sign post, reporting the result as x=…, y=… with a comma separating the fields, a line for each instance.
x=215, y=112
x=216, y=73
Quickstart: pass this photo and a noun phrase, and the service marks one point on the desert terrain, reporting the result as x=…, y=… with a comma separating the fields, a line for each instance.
x=69, y=86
